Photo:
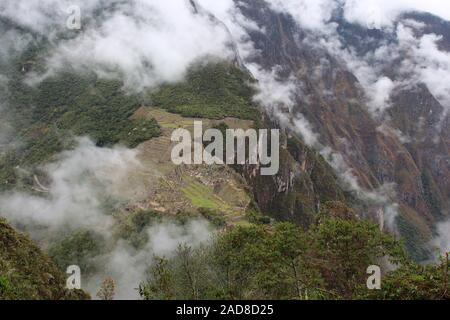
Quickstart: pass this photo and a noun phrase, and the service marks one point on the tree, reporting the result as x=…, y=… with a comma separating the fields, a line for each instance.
x=283, y=261
x=159, y=286
x=344, y=248
x=107, y=289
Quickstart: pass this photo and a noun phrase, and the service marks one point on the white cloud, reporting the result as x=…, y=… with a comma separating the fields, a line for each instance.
x=146, y=42
x=128, y=266
x=382, y=13
x=380, y=93
x=310, y=14
x=237, y=24
x=315, y=14
x=273, y=93
x=12, y=42
x=44, y=16
x=79, y=180
x=426, y=63
x=380, y=198
x=442, y=240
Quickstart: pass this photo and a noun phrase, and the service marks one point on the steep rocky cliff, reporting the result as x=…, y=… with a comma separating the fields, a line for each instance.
x=26, y=273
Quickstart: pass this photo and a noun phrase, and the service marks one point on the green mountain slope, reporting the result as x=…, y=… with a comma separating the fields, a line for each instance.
x=26, y=273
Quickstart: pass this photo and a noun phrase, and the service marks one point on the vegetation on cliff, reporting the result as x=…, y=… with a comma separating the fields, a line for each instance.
x=26, y=273
x=283, y=261
x=214, y=91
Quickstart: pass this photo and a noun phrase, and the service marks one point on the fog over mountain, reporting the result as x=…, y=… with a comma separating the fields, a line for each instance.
x=366, y=84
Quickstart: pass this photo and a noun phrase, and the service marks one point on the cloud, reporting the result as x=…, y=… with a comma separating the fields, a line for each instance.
x=419, y=60
x=316, y=14
x=423, y=61
x=145, y=42
x=382, y=13
x=228, y=13
x=5, y=128
x=272, y=92
x=148, y=42
x=427, y=63
x=442, y=241
x=381, y=198
x=46, y=17
x=279, y=96
x=389, y=131
x=380, y=93
x=82, y=181
x=369, y=70
x=310, y=14
x=13, y=42
x=128, y=266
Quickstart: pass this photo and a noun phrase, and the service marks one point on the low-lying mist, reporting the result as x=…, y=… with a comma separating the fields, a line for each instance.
x=87, y=188
x=147, y=43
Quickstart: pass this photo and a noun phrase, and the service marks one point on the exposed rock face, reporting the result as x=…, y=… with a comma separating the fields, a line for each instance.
x=331, y=98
